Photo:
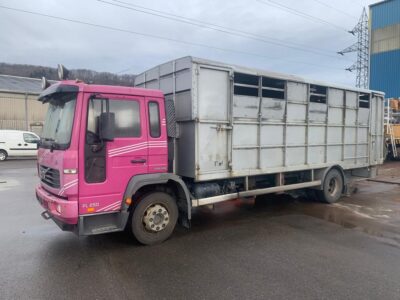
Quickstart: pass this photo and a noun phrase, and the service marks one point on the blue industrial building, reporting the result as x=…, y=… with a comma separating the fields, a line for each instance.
x=385, y=47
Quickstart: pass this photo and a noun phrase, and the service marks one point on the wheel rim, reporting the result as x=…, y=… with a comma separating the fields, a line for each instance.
x=332, y=186
x=2, y=156
x=156, y=218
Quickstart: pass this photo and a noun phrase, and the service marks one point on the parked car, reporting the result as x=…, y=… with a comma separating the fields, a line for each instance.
x=18, y=143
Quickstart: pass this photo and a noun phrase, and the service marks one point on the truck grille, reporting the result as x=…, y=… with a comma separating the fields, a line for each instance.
x=50, y=176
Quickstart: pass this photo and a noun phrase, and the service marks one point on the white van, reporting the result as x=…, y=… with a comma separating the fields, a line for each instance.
x=18, y=143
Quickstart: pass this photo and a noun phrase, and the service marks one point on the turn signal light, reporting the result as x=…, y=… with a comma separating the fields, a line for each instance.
x=128, y=201
x=90, y=209
x=70, y=171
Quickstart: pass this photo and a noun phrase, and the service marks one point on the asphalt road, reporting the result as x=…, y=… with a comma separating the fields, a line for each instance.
x=278, y=248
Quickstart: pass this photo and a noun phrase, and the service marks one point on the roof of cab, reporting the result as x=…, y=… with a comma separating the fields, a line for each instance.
x=110, y=89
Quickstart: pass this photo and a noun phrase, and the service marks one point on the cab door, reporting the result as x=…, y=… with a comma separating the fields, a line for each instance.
x=109, y=165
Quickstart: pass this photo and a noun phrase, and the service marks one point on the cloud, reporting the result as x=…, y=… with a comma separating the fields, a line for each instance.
x=33, y=39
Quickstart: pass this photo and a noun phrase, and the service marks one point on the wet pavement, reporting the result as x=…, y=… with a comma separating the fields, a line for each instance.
x=275, y=247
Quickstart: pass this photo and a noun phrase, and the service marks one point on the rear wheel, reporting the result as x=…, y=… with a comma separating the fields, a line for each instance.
x=154, y=218
x=332, y=188
x=3, y=155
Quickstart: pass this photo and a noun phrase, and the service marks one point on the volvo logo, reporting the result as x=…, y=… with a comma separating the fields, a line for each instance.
x=43, y=172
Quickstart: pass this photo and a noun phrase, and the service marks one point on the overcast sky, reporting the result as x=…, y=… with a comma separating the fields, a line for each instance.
x=38, y=40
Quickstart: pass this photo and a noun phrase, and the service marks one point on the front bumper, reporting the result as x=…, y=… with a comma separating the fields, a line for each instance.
x=60, y=210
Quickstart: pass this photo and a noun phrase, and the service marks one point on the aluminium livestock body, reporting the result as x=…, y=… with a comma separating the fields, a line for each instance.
x=237, y=122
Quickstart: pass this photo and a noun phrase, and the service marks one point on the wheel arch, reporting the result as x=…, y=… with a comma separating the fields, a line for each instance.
x=321, y=175
x=140, y=184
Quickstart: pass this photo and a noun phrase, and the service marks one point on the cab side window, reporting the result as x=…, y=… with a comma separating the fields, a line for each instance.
x=154, y=120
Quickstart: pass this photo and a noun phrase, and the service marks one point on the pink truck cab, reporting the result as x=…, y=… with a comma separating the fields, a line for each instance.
x=100, y=145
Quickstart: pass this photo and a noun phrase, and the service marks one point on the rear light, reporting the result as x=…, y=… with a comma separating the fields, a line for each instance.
x=58, y=208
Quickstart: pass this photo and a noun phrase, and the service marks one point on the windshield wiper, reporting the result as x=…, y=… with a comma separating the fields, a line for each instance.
x=49, y=139
x=53, y=144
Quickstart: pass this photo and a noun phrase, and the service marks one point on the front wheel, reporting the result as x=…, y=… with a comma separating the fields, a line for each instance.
x=154, y=218
x=332, y=188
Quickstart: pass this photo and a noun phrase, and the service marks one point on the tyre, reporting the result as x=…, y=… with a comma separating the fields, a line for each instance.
x=154, y=218
x=3, y=155
x=332, y=188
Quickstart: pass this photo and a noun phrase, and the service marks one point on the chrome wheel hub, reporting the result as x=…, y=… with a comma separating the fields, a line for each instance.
x=155, y=218
x=2, y=156
x=332, y=186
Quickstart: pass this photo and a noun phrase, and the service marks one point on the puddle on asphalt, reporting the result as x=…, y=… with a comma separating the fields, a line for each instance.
x=373, y=209
x=366, y=214
x=375, y=217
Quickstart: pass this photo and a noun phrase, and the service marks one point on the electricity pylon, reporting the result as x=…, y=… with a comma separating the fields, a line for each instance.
x=361, y=66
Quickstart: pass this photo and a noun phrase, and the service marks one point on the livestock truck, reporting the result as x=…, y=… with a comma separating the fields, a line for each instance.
x=194, y=132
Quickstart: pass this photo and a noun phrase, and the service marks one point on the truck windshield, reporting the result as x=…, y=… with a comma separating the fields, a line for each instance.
x=59, y=119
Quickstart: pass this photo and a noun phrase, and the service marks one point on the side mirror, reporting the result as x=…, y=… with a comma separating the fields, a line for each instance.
x=107, y=126
x=45, y=83
x=62, y=71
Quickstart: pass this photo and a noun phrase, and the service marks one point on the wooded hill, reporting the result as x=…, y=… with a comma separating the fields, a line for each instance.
x=51, y=73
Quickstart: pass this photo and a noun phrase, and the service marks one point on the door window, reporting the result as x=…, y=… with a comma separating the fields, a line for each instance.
x=127, y=117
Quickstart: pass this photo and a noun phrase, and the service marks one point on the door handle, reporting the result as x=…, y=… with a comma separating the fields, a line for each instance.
x=25, y=144
x=138, y=161
x=19, y=144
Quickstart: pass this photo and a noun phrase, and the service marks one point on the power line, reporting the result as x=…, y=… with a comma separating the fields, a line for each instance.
x=163, y=38
x=124, y=70
x=334, y=8
x=300, y=13
x=215, y=27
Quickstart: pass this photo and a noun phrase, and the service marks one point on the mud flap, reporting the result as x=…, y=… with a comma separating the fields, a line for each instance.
x=183, y=219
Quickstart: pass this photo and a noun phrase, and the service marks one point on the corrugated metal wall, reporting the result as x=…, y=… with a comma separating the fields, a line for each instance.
x=385, y=13
x=385, y=73
x=385, y=47
x=21, y=112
